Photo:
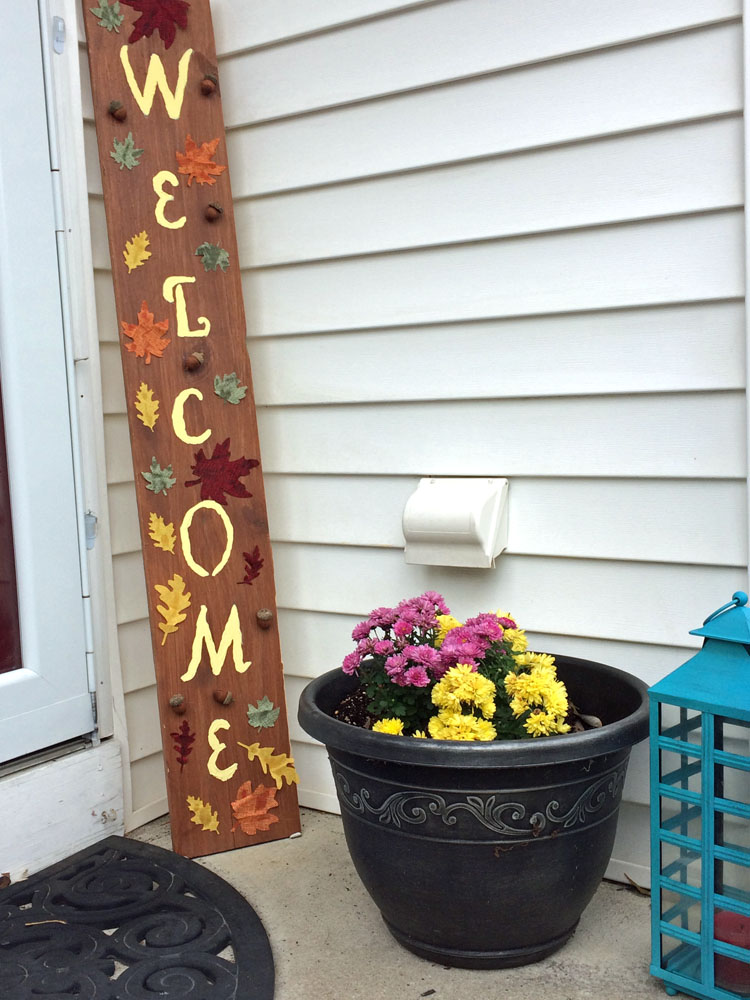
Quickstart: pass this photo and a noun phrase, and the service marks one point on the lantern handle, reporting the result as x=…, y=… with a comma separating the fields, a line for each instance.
x=739, y=597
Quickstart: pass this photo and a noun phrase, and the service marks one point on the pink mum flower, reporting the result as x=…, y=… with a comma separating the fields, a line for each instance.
x=351, y=663
x=417, y=677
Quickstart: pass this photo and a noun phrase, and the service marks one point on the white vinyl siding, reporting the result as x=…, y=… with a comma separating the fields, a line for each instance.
x=476, y=242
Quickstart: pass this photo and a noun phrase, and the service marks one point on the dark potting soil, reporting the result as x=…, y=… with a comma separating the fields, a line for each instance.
x=353, y=709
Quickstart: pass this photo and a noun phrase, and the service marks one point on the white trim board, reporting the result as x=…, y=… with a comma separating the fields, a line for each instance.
x=79, y=798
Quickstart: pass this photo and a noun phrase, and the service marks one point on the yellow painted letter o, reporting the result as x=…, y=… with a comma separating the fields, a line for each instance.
x=185, y=537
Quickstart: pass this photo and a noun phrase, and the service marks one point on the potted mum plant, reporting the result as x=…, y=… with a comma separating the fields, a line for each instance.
x=479, y=782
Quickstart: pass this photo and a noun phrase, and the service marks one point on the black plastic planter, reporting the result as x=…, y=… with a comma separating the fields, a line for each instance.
x=483, y=855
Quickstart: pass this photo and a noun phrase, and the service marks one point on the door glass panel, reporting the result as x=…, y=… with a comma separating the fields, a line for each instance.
x=10, y=641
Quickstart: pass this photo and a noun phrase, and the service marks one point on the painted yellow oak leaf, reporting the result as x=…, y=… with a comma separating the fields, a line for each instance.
x=176, y=600
x=203, y=814
x=135, y=252
x=278, y=765
x=147, y=406
x=161, y=534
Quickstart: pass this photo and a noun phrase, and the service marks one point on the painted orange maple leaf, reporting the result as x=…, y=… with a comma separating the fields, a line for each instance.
x=251, y=808
x=197, y=161
x=146, y=338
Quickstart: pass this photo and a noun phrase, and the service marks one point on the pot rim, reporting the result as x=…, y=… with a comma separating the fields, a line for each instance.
x=334, y=684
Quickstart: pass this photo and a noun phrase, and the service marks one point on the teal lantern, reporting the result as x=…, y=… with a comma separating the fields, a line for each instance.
x=700, y=814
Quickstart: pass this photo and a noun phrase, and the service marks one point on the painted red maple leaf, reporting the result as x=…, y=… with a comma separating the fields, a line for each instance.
x=183, y=744
x=161, y=15
x=219, y=474
x=253, y=565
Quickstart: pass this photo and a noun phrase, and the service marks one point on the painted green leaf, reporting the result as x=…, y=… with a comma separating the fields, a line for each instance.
x=126, y=154
x=159, y=480
x=228, y=387
x=213, y=256
x=109, y=15
x=263, y=715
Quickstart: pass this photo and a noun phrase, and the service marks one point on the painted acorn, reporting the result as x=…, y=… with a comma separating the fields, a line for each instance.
x=193, y=361
x=264, y=617
x=223, y=697
x=117, y=111
x=213, y=212
x=177, y=704
x=209, y=84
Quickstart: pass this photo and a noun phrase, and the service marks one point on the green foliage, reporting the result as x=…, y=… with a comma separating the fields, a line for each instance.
x=264, y=715
x=213, y=256
x=126, y=154
x=228, y=387
x=159, y=480
x=109, y=15
x=387, y=700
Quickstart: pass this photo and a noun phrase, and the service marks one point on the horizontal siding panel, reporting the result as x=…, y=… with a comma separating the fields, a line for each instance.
x=98, y=226
x=466, y=38
x=646, y=263
x=117, y=449
x=91, y=154
x=595, y=598
x=113, y=385
x=136, y=656
x=131, y=602
x=639, y=350
x=106, y=315
x=692, y=168
x=241, y=24
x=125, y=532
x=648, y=350
x=313, y=641
x=601, y=599
x=646, y=520
x=675, y=436
x=316, y=788
x=149, y=785
x=144, y=728
x=670, y=79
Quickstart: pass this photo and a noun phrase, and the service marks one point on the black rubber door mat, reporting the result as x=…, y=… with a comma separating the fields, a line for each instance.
x=124, y=920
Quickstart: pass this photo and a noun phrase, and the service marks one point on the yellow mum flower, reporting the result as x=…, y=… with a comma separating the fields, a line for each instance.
x=445, y=624
x=545, y=724
x=462, y=685
x=420, y=734
x=455, y=726
x=543, y=660
x=393, y=726
x=517, y=638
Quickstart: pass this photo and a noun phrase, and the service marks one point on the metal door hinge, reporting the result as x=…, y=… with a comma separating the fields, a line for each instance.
x=58, y=35
x=90, y=521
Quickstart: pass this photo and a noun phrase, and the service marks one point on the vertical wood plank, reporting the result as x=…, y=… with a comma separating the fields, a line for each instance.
x=181, y=325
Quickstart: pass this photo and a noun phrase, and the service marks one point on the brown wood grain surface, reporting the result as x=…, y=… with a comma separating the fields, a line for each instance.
x=130, y=202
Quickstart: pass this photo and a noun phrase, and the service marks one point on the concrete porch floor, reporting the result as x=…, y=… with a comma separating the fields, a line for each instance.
x=329, y=942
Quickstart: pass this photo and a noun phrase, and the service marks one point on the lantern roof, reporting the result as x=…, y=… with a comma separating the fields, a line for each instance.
x=731, y=622
x=717, y=678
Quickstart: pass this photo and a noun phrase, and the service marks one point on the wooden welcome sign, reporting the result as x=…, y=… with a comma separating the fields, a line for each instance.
x=230, y=777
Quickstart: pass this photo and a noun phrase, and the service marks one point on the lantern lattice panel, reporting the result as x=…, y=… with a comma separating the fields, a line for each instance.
x=700, y=780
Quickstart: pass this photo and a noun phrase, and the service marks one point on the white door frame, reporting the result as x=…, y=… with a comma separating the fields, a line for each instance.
x=94, y=584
